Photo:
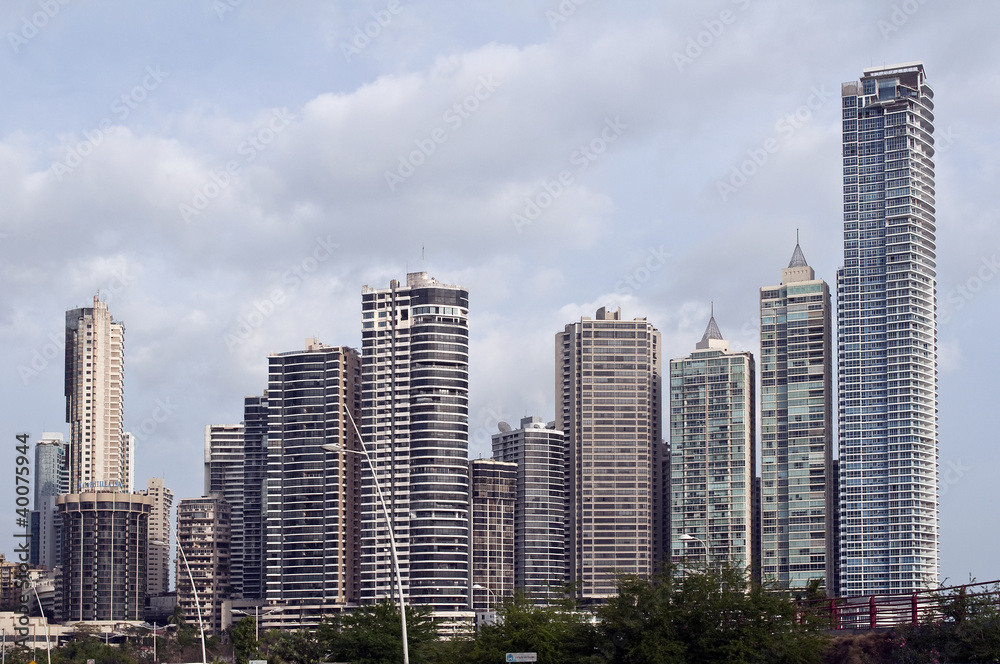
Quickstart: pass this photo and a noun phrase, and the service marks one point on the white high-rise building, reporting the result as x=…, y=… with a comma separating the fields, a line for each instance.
x=224, y=476
x=99, y=449
x=887, y=336
x=415, y=407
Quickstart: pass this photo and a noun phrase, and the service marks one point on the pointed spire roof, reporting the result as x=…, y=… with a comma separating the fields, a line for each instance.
x=711, y=332
x=798, y=258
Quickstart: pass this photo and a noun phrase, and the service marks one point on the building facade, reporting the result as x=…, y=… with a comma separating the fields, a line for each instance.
x=51, y=479
x=224, y=477
x=608, y=402
x=251, y=585
x=712, y=454
x=491, y=515
x=103, y=556
x=311, y=533
x=203, y=542
x=539, y=506
x=798, y=486
x=99, y=452
x=415, y=408
x=158, y=563
x=887, y=335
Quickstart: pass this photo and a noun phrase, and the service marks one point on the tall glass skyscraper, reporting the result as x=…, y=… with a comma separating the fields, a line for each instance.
x=798, y=487
x=415, y=423
x=713, y=450
x=887, y=336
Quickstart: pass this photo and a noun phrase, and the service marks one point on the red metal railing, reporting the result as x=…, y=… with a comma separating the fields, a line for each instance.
x=881, y=611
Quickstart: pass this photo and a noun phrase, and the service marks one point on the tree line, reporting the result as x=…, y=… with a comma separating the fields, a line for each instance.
x=680, y=616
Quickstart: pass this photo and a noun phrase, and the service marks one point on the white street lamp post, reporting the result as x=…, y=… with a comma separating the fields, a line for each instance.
x=333, y=447
x=689, y=538
x=477, y=586
x=48, y=646
x=194, y=589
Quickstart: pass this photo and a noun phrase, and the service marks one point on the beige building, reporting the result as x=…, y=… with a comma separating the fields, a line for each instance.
x=99, y=448
x=608, y=403
x=203, y=532
x=158, y=570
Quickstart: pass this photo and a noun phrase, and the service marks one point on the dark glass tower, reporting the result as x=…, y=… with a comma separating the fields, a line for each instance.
x=415, y=408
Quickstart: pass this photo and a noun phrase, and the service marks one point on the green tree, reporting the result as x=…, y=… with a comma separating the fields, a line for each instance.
x=706, y=617
x=968, y=631
x=244, y=638
x=558, y=634
x=298, y=647
x=372, y=635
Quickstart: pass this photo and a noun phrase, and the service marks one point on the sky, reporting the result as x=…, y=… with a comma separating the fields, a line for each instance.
x=228, y=174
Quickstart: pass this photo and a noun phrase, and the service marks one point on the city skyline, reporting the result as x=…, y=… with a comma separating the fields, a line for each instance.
x=280, y=251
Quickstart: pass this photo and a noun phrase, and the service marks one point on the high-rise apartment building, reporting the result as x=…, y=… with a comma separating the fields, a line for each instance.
x=712, y=453
x=158, y=558
x=415, y=408
x=310, y=556
x=103, y=555
x=887, y=335
x=539, y=507
x=204, y=548
x=224, y=477
x=798, y=487
x=251, y=584
x=608, y=402
x=99, y=452
x=51, y=479
x=491, y=512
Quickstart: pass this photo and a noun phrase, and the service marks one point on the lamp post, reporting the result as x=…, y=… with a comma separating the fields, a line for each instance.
x=48, y=645
x=194, y=589
x=256, y=619
x=334, y=447
x=689, y=538
x=477, y=586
